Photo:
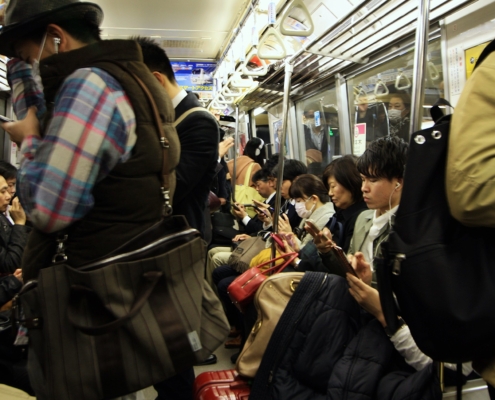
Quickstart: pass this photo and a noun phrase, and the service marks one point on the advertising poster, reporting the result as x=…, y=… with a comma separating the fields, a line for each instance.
x=471, y=55
x=195, y=76
x=359, y=139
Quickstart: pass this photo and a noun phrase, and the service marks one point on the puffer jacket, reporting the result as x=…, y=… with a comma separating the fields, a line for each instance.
x=326, y=348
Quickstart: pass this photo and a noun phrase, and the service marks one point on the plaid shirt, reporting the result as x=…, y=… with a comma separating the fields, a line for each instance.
x=91, y=131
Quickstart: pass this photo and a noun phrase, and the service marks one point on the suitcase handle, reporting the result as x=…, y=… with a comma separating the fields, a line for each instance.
x=98, y=310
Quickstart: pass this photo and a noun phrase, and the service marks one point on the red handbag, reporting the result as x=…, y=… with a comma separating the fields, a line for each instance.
x=242, y=290
x=221, y=385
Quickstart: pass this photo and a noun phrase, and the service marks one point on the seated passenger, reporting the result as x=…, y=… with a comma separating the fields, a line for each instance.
x=382, y=170
x=9, y=172
x=13, y=236
x=343, y=183
x=311, y=201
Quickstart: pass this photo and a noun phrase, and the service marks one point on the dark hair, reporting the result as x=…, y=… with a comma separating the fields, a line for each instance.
x=308, y=185
x=79, y=29
x=7, y=170
x=261, y=175
x=271, y=163
x=406, y=99
x=250, y=150
x=155, y=57
x=313, y=106
x=384, y=158
x=345, y=172
x=292, y=169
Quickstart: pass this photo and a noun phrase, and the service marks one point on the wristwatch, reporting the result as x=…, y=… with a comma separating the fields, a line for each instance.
x=296, y=263
x=401, y=324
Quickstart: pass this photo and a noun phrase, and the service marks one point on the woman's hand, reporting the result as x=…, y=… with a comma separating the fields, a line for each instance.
x=322, y=239
x=361, y=266
x=283, y=224
x=19, y=130
x=367, y=297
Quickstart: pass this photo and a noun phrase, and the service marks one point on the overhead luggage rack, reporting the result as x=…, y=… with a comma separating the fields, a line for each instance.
x=357, y=37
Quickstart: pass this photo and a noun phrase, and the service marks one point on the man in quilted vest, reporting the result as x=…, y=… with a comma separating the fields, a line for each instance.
x=91, y=156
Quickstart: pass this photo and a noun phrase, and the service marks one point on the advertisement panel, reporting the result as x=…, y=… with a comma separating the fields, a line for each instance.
x=195, y=76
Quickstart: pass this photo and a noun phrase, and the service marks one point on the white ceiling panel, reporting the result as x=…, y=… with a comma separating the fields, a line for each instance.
x=193, y=29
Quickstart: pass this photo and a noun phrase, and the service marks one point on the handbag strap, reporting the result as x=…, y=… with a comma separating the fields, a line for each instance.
x=278, y=268
x=247, y=178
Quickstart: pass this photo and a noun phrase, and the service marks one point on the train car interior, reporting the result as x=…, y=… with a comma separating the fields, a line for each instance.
x=287, y=70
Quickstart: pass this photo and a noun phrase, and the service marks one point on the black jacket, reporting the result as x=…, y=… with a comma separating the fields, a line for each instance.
x=198, y=134
x=326, y=348
x=13, y=239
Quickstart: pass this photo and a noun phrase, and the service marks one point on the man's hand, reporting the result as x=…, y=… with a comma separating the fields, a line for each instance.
x=17, y=212
x=224, y=146
x=367, y=297
x=19, y=130
x=240, y=212
x=240, y=238
x=361, y=266
x=18, y=274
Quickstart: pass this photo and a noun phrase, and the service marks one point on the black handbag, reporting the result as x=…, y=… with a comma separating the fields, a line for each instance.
x=441, y=272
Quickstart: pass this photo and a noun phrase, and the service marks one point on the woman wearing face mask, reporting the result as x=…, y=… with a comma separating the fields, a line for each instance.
x=399, y=108
x=312, y=202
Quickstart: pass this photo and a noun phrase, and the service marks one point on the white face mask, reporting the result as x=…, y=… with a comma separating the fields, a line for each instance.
x=394, y=115
x=36, y=65
x=302, y=211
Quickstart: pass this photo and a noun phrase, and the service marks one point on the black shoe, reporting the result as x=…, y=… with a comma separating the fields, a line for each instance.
x=212, y=359
x=234, y=357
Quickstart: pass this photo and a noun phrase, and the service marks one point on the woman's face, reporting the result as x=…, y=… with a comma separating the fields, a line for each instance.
x=396, y=103
x=341, y=197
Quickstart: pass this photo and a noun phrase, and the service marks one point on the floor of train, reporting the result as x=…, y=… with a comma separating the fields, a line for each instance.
x=473, y=390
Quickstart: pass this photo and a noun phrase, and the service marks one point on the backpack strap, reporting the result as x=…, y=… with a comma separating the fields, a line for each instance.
x=485, y=53
x=187, y=113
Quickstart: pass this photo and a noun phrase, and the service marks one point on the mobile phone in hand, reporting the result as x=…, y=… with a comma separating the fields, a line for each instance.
x=343, y=262
x=236, y=208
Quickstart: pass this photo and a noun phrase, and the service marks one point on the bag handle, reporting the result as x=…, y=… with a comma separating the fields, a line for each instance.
x=79, y=292
x=247, y=178
x=278, y=268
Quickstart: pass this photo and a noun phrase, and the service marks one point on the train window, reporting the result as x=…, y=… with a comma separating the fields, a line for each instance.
x=318, y=130
x=380, y=98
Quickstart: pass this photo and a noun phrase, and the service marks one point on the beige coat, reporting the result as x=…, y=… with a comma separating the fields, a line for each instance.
x=243, y=163
x=470, y=171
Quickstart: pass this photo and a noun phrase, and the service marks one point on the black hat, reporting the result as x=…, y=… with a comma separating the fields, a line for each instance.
x=24, y=16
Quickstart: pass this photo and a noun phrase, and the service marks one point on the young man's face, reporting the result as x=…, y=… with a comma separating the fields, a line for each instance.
x=381, y=194
x=11, y=184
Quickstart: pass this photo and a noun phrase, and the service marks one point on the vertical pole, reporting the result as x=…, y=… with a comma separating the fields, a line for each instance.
x=289, y=69
x=236, y=147
x=420, y=64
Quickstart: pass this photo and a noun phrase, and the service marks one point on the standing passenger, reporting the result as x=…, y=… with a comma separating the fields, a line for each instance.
x=198, y=135
x=91, y=168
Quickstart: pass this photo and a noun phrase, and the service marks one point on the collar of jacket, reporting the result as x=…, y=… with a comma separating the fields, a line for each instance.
x=55, y=69
x=364, y=229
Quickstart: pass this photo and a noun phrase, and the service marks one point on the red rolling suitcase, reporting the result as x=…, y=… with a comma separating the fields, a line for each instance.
x=221, y=385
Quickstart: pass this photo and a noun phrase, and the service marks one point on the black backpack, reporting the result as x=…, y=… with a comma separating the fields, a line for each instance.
x=441, y=272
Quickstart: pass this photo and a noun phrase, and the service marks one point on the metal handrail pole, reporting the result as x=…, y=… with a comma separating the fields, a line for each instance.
x=289, y=69
x=236, y=147
x=420, y=61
